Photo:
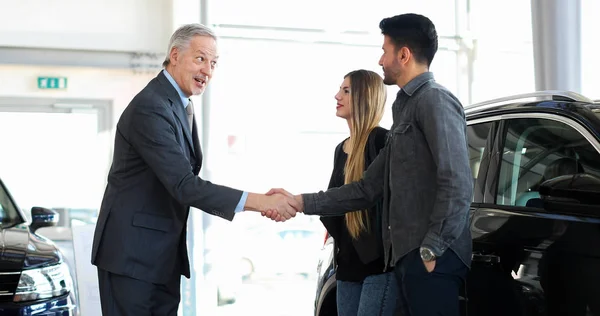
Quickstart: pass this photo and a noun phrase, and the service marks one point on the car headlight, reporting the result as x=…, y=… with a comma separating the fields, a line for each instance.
x=325, y=258
x=47, y=282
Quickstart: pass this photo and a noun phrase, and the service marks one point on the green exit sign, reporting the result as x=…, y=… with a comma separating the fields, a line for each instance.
x=52, y=82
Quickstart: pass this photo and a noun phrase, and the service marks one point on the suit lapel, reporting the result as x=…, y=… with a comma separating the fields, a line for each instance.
x=177, y=107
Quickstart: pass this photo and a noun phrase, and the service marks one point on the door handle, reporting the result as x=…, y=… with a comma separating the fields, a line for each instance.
x=478, y=257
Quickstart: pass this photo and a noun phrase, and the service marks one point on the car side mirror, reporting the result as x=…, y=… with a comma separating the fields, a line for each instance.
x=573, y=194
x=42, y=217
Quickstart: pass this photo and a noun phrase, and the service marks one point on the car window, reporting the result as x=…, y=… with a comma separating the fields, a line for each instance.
x=478, y=136
x=296, y=234
x=8, y=212
x=536, y=150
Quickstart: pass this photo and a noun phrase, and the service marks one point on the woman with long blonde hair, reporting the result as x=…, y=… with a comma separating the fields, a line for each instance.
x=363, y=287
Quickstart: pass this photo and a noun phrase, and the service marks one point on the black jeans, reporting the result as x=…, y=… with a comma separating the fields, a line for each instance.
x=433, y=293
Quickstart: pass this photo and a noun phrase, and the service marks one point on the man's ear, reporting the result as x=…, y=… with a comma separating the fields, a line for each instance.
x=173, y=55
x=404, y=55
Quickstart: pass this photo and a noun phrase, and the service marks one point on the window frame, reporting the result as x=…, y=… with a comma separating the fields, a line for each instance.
x=503, y=129
x=487, y=158
x=16, y=216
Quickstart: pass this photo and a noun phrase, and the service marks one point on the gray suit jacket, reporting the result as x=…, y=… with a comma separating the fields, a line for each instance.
x=141, y=229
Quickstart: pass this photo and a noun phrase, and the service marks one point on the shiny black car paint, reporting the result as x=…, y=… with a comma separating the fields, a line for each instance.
x=526, y=261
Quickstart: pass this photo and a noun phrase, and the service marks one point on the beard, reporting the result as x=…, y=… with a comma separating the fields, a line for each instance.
x=389, y=80
x=390, y=77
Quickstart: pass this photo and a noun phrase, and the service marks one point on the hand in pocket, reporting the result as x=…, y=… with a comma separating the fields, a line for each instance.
x=429, y=265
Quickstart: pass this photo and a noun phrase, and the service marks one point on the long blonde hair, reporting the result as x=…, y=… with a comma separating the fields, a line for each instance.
x=367, y=100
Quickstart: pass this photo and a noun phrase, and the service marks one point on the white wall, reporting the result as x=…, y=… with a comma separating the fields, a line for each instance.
x=116, y=86
x=111, y=84
x=108, y=25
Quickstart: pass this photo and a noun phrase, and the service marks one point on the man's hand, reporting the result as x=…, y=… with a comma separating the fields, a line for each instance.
x=280, y=191
x=273, y=213
x=283, y=206
x=429, y=265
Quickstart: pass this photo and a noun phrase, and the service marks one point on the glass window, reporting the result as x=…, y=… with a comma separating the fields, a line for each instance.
x=590, y=63
x=489, y=21
x=536, y=150
x=56, y=162
x=336, y=15
x=272, y=112
x=272, y=108
x=8, y=212
x=478, y=136
x=503, y=36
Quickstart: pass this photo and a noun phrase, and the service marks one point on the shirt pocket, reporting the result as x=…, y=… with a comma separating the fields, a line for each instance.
x=403, y=142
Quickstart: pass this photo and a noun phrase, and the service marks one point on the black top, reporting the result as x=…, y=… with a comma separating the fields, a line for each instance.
x=359, y=258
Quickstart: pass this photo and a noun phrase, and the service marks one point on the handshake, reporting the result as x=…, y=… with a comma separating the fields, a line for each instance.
x=280, y=205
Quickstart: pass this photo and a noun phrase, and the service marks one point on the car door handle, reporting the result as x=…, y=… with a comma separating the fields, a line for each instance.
x=478, y=257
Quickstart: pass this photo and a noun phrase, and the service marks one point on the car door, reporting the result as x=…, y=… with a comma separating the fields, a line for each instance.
x=537, y=262
x=481, y=137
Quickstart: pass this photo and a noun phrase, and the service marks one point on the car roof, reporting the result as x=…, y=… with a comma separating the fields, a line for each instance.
x=529, y=99
x=567, y=102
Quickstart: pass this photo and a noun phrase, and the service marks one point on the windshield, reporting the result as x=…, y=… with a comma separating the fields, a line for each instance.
x=9, y=216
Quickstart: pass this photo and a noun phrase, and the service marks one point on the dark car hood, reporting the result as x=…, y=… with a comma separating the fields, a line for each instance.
x=20, y=249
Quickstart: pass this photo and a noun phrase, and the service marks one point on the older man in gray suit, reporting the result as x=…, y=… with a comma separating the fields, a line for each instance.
x=140, y=239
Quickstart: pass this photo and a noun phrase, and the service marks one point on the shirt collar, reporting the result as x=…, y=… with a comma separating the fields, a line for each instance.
x=184, y=100
x=414, y=85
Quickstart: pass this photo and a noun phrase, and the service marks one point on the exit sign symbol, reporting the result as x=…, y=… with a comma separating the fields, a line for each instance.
x=52, y=82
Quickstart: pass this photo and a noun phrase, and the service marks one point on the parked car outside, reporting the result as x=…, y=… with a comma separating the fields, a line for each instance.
x=61, y=235
x=535, y=215
x=222, y=261
x=34, y=279
x=281, y=250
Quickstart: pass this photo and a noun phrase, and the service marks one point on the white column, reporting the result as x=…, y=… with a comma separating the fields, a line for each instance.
x=557, y=44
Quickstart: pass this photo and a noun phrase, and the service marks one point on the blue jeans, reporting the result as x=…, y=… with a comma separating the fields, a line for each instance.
x=425, y=293
x=376, y=295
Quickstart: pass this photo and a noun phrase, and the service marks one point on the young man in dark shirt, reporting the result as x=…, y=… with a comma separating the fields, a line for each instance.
x=423, y=174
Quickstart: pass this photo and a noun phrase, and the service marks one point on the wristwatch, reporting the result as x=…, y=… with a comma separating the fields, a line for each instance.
x=426, y=254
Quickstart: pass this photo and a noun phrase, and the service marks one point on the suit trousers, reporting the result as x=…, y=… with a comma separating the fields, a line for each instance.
x=124, y=296
x=425, y=293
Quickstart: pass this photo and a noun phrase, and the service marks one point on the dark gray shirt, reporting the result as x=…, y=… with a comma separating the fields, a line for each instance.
x=423, y=174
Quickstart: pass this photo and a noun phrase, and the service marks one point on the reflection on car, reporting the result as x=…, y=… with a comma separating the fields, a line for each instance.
x=34, y=280
x=535, y=215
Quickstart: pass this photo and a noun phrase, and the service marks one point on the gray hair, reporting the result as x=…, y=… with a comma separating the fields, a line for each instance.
x=183, y=35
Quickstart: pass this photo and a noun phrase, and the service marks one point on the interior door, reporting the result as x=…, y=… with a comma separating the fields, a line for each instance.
x=55, y=154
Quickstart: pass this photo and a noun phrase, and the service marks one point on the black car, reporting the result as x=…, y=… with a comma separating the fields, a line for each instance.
x=34, y=280
x=535, y=215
